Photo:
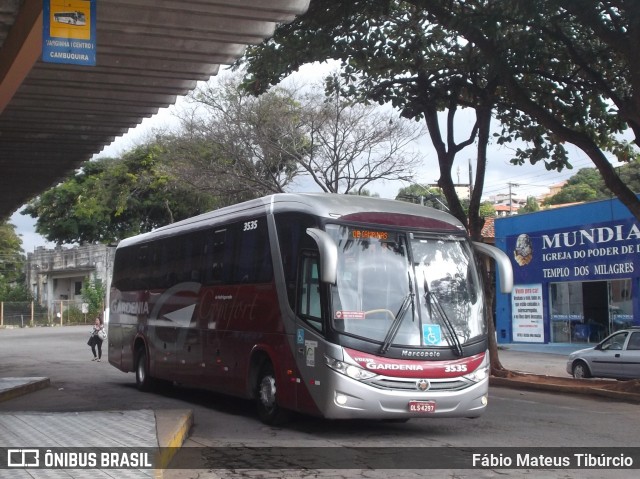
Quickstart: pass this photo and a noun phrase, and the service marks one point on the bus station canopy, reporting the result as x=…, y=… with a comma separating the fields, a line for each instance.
x=54, y=117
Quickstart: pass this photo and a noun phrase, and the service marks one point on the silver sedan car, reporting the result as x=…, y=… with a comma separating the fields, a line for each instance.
x=617, y=357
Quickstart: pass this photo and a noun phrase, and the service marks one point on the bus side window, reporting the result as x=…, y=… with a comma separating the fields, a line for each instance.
x=124, y=269
x=215, y=274
x=293, y=238
x=252, y=262
x=309, y=290
x=142, y=261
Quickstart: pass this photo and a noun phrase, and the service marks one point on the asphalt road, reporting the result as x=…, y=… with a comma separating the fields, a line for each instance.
x=514, y=418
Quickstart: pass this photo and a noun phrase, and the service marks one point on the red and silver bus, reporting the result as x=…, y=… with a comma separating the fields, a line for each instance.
x=332, y=305
x=71, y=18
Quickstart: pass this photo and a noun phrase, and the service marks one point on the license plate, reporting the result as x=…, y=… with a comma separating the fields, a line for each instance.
x=422, y=406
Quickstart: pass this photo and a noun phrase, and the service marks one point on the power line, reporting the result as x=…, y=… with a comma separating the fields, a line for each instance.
x=554, y=176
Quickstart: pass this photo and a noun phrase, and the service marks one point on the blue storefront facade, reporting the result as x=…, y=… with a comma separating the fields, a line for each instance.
x=576, y=274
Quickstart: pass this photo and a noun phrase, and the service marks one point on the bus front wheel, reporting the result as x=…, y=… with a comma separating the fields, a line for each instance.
x=266, y=399
x=143, y=378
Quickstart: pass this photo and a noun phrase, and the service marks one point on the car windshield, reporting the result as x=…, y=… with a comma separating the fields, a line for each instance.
x=406, y=289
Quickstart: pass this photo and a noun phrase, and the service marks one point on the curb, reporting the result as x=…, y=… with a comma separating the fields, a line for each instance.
x=172, y=429
x=583, y=389
x=22, y=386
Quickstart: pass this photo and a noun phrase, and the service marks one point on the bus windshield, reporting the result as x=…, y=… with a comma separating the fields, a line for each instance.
x=406, y=289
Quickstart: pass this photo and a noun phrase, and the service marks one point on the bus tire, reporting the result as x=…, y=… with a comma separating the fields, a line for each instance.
x=266, y=397
x=143, y=378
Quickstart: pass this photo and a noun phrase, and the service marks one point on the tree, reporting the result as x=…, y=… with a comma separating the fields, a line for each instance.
x=250, y=145
x=588, y=185
x=423, y=195
x=566, y=72
x=392, y=53
x=531, y=206
x=235, y=146
x=572, y=194
x=354, y=145
x=630, y=175
x=590, y=178
x=487, y=209
x=555, y=71
x=111, y=199
x=563, y=71
x=94, y=294
x=12, y=286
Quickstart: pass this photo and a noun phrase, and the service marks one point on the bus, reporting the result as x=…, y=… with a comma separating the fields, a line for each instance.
x=330, y=305
x=70, y=18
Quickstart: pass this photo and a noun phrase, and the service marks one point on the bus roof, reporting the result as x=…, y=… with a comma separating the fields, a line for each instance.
x=326, y=205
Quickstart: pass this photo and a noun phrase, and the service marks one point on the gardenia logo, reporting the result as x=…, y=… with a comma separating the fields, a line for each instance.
x=130, y=307
x=395, y=367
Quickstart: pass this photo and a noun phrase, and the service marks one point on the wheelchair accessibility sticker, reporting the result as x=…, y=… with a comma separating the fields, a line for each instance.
x=431, y=334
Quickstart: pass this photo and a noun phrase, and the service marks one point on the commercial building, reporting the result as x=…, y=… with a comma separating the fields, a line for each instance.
x=576, y=273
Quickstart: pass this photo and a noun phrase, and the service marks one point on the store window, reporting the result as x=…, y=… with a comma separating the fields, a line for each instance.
x=620, y=304
x=589, y=311
x=566, y=310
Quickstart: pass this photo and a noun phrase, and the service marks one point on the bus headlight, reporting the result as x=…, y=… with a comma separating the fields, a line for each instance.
x=351, y=370
x=478, y=375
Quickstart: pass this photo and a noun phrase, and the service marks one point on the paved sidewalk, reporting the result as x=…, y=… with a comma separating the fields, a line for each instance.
x=161, y=431
x=544, y=359
x=550, y=360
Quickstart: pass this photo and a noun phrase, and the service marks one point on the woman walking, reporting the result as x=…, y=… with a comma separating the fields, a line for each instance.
x=96, y=338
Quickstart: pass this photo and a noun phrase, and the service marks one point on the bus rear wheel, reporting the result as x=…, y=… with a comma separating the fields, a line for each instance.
x=266, y=397
x=143, y=378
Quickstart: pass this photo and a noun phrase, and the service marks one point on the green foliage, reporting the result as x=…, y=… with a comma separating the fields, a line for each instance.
x=564, y=70
x=531, y=206
x=11, y=265
x=588, y=185
x=423, y=195
x=94, y=294
x=111, y=199
x=393, y=53
x=14, y=292
x=588, y=177
x=554, y=72
x=73, y=315
x=573, y=194
x=487, y=210
x=630, y=175
x=242, y=147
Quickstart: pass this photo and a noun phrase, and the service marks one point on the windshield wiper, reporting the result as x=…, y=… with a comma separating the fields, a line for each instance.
x=395, y=326
x=451, y=336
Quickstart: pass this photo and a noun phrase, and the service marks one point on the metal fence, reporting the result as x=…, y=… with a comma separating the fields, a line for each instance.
x=21, y=314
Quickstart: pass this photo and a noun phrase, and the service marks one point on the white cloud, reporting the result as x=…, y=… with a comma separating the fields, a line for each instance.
x=532, y=179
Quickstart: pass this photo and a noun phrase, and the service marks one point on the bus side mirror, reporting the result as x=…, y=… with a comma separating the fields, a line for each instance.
x=328, y=255
x=503, y=264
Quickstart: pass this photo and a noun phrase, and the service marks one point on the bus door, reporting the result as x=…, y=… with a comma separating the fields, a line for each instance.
x=161, y=338
x=310, y=344
x=189, y=354
x=172, y=332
